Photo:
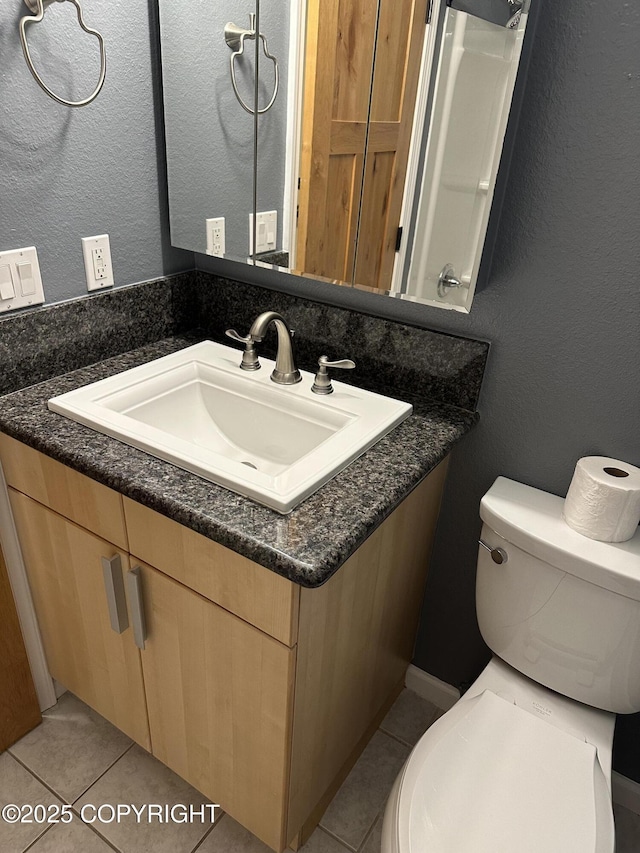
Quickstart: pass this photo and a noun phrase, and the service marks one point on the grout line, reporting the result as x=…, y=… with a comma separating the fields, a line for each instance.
x=53, y=791
x=100, y=836
x=207, y=833
x=396, y=737
x=38, y=779
x=369, y=832
x=337, y=838
x=97, y=779
x=35, y=840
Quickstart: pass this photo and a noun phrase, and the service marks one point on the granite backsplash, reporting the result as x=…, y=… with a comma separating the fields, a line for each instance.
x=391, y=357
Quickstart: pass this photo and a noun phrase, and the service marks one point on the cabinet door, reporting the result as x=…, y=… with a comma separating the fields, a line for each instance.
x=84, y=653
x=219, y=696
x=19, y=709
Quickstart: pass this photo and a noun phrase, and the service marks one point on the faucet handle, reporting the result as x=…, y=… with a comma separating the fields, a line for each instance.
x=322, y=382
x=249, y=356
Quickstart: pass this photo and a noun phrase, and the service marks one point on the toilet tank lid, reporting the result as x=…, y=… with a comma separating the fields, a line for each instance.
x=532, y=520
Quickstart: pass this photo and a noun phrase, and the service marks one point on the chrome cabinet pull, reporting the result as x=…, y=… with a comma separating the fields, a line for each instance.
x=134, y=588
x=116, y=598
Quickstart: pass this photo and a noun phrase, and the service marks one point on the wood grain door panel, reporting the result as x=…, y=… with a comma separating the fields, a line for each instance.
x=357, y=122
x=220, y=696
x=64, y=567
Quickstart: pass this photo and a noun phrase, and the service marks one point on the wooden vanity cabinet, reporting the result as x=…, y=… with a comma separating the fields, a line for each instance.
x=257, y=691
x=84, y=653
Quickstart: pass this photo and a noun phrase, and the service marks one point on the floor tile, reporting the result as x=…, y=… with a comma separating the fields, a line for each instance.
x=374, y=841
x=70, y=838
x=72, y=747
x=320, y=842
x=229, y=837
x=139, y=779
x=18, y=787
x=365, y=791
x=627, y=830
x=409, y=718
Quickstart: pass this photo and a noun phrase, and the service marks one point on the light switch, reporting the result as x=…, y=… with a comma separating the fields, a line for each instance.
x=20, y=280
x=7, y=289
x=266, y=228
x=27, y=281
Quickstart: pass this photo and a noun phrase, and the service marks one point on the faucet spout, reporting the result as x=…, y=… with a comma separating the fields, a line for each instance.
x=285, y=371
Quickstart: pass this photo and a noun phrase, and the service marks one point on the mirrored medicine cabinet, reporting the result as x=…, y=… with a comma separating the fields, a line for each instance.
x=351, y=141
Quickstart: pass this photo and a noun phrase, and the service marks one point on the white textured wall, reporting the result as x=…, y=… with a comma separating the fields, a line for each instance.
x=67, y=174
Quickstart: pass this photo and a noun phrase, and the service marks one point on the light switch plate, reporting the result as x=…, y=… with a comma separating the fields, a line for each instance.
x=20, y=280
x=97, y=262
x=267, y=230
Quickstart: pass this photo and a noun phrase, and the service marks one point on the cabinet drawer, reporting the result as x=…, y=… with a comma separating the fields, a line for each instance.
x=76, y=497
x=255, y=594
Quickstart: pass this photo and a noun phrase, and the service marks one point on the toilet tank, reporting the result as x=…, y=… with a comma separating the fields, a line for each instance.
x=562, y=609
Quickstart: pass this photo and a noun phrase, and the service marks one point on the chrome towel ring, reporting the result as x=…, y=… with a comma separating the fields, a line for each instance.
x=235, y=38
x=38, y=8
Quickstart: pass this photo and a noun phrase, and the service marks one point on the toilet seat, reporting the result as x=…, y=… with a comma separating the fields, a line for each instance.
x=524, y=786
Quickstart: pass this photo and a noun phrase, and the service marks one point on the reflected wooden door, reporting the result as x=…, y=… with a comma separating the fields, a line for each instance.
x=340, y=88
x=338, y=66
x=395, y=83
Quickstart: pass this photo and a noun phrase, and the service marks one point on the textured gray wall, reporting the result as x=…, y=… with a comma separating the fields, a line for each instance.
x=67, y=174
x=561, y=308
x=209, y=135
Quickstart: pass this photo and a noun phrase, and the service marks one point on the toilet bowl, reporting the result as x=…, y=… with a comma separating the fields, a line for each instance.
x=522, y=762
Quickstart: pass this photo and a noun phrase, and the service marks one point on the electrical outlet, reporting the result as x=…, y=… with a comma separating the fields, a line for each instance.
x=267, y=230
x=216, y=237
x=97, y=262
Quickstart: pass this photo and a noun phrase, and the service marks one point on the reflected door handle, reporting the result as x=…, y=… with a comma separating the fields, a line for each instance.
x=116, y=598
x=134, y=588
x=449, y=280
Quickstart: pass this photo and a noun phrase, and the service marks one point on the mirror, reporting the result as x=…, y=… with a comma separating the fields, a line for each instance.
x=371, y=159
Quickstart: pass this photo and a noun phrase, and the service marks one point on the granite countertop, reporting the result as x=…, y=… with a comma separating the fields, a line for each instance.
x=308, y=545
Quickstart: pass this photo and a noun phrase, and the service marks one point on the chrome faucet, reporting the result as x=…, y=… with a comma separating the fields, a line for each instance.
x=285, y=372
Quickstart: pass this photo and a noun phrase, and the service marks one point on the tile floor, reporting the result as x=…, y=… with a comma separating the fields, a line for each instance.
x=75, y=757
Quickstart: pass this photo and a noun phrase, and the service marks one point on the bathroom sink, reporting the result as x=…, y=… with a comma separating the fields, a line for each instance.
x=198, y=410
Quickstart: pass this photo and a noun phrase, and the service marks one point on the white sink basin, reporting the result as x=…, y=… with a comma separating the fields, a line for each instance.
x=195, y=408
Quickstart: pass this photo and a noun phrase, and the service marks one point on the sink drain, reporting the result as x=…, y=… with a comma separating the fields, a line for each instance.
x=251, y=465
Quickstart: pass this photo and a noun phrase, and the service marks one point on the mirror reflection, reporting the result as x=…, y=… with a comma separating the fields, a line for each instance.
x=376, y=139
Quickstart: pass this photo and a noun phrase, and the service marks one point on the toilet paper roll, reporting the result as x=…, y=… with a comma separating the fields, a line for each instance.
x=603, y=501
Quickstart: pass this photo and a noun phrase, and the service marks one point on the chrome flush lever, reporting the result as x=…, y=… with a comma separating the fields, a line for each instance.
x=322, y=383
x=498, y=555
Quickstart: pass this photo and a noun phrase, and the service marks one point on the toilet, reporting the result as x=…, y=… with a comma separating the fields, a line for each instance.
x=522, y=762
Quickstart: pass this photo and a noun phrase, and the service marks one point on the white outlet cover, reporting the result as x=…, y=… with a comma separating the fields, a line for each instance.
x=101, y=241
x=216, y=238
